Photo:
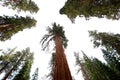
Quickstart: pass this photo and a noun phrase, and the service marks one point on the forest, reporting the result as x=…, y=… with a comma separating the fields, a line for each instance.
x=55, y=51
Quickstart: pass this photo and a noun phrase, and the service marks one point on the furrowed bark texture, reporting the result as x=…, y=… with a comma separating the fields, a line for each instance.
x=61, y=70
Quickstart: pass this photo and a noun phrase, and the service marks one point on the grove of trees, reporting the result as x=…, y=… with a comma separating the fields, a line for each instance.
x=93, y=68
x=17, y=65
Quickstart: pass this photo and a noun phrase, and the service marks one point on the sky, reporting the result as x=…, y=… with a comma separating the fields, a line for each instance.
x=77, y=35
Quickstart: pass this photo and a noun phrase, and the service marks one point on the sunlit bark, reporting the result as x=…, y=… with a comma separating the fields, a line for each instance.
x=61, y=70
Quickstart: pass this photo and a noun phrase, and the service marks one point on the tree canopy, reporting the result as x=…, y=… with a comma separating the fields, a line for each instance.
x=24, y=73
x=19, y=64
x=110, y=41
x=7, y=59
x=10, y=25
x=56, y=30
x=91, y=8
x=94, y=69
x=22, y=5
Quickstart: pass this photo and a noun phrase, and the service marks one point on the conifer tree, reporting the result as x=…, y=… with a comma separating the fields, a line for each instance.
x=110, y=41
x=112, y=59
x=7, y=59
x=56, y=33
x=110, y=44
x=94, y=69
x=24, y=73
x=24, y=55
x=91, y=8
x=12, y=25
x=22, y=5
x=81, y=64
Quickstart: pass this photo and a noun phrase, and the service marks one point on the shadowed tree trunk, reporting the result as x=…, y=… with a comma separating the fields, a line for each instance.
x=17, y=62
x=85, y=72
x=5, y=27
x=1, y=70
x=61, y=71
x=81, y=63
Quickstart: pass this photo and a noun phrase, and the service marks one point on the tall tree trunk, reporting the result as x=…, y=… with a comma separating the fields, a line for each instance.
x=85, y=72
x=1, y=70
x=61, y=70
x=7, y=75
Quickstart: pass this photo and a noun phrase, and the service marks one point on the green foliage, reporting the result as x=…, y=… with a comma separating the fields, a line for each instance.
x=16, y=60
x=99, y=70
x=113, y=60
x=92, y=8
x=24, y=73
x=110, y=44
x=14, y=25
x=108, y=40
x=94, y=69
x=71, y=9
x=8, y=59
x=56, y=30
x=22, y=5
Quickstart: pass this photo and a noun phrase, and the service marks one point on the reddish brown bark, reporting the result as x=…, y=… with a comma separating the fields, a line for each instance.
x=5, y=27
x=61, y=71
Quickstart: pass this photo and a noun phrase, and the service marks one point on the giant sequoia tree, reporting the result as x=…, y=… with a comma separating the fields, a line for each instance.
x=21, y=5
x=61, y=68
x=92, y=8
x=11, y=25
